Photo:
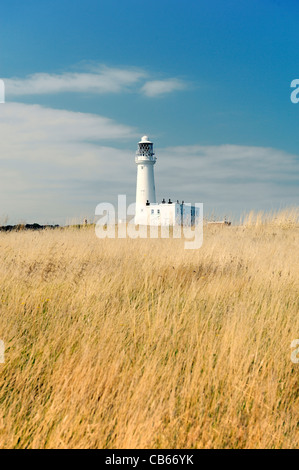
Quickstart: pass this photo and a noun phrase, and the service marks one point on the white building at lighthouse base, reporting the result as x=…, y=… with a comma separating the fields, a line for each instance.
x=169, y=214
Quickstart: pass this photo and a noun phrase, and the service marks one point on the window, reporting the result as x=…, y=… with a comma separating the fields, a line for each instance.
x=152, y=211
x=158, y=211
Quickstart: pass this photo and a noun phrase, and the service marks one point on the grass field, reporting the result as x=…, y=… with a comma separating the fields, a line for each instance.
x=142, y=344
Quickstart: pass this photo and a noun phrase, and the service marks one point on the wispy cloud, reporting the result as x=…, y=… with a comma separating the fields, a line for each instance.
x=155, y=88
x=97, y=80
x=230, y=178
x=102, y=80
x=35, y=123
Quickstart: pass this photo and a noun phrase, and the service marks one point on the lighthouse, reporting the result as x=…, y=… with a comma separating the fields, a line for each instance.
x=145, y=189
x=148, y=211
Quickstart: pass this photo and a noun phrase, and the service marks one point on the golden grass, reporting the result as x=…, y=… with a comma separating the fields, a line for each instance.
x=142, y=344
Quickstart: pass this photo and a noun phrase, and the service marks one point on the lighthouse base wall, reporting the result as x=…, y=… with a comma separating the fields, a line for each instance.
x=173, y=214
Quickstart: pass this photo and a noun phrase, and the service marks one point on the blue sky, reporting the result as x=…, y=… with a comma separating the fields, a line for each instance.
x=209, y=82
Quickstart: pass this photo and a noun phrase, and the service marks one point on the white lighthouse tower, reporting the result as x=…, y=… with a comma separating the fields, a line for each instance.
x=145, y=189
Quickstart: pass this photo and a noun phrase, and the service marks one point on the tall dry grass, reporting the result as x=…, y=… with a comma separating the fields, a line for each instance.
x=142, y=344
